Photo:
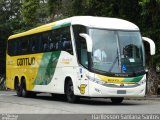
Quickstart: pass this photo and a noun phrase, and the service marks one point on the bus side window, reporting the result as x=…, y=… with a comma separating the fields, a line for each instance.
x=51, y=39
x=17, y=47
x=40, y=41
x=58, y=41
x=45, y=42
x=83, y=50
x=12, y=47
x=24, y=46
x=66, y=40
x=35, y=44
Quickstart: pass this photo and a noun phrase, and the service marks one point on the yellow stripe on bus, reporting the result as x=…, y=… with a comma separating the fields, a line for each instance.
x=110, y=79
x=35, y=30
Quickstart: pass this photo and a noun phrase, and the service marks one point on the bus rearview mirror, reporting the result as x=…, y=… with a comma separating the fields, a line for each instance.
x=88, y=41
x=151, y=43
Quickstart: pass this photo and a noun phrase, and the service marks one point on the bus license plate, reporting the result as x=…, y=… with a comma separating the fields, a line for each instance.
x=121, y=91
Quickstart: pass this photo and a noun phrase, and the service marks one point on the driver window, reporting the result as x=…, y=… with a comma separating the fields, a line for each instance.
x=81, y=46
x=83, y=53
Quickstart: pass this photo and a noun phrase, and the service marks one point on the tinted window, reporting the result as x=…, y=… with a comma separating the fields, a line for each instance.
x=12, y=47
x=35, y=44
x=23, y=46
x=54, y=40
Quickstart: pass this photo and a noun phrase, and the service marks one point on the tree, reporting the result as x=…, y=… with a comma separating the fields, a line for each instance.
x=28, y=11
x=150, y=27
x=9, y=21
x=34, y=13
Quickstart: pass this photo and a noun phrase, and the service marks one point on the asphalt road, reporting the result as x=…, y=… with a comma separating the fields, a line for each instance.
x=45, y=104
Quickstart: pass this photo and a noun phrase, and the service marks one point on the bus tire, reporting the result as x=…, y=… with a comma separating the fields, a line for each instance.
x=23, y=88
x=17, y=87
x=117, y=100
x=69, y=92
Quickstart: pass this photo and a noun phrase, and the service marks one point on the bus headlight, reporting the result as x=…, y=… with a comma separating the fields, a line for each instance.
x=98, y=81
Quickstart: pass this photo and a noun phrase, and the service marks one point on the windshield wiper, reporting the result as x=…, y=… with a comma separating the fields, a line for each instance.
x=113, y=64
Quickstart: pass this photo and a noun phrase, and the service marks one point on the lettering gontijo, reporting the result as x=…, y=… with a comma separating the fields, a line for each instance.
x=25, y=61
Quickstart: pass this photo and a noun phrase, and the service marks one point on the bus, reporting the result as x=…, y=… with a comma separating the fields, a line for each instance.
x=80, y=56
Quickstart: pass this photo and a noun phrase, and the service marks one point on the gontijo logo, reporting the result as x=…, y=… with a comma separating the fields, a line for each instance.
x=25, y=61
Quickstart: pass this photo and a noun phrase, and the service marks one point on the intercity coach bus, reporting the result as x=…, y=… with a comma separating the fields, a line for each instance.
x=81, y=56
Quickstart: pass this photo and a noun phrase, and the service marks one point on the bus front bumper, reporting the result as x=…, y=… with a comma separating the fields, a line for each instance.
x=97, y=90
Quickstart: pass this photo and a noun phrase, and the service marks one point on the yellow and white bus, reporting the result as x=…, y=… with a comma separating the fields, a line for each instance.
x=82, y=56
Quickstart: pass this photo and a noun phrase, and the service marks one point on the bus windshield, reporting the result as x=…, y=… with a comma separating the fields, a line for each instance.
x=117, y=51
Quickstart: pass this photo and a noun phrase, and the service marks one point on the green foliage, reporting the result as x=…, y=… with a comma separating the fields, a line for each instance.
x=9, y=20
x=28, y=11
x=55, y=8
x=42, y=13
x=150, y=24
x=34, y=13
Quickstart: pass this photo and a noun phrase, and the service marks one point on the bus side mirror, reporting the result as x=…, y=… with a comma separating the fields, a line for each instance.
x=152, y=45
x=88, y=41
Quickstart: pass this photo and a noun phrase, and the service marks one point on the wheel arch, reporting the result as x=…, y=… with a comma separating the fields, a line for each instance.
x=67, y=79
x=70, y=97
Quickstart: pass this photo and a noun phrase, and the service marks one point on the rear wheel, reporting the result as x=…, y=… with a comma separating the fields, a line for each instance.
x=18, y=88
x=117, y=100
x=23, y=89
x=69, y=91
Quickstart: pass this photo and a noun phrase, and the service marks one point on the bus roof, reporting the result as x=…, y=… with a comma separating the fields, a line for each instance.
x=89, y=21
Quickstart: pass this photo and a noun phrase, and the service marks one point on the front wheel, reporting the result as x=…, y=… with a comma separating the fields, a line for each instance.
x=117, y=100
x=69, y=91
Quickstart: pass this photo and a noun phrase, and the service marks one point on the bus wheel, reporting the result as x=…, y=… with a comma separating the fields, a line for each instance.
x=117, y=100
x=70, y=92
x=23, y=89
x=18, y=88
